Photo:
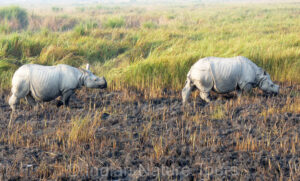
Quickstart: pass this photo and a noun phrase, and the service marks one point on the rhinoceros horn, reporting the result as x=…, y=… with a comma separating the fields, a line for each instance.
x=87, y=67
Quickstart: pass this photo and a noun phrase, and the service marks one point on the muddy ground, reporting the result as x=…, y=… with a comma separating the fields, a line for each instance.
x=127, y=137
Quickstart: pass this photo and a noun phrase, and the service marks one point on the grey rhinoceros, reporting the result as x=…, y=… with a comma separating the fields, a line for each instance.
x=45, y=83
x=224, y=75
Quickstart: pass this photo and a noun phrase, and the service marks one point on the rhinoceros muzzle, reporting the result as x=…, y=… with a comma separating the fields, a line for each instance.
x=273, y=92
x=103, y=86
x=269, y=94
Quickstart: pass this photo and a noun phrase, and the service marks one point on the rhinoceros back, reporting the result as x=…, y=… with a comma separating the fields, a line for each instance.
x=44, y=82
x=226, y=73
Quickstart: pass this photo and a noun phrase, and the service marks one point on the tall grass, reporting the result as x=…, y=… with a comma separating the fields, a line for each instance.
x=114, y=22
x=13, y=17
x=155, y=49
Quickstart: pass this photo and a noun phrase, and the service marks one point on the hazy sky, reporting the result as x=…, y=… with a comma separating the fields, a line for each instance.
x=57, y=2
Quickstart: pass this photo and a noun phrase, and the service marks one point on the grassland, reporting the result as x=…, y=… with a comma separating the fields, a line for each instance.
x=138, y=128
x=153, y=47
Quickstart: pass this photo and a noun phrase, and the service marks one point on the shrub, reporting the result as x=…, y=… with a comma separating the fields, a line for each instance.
x=59, y=23
x=80, y=9
x=73, y=60
x=6, y=65
x=7, y=68
x=99, y=50
x=11, y=47
x=4, y=29
x=80, y=30
x=31, y=48
x=143, y=48
x=15, y=17
x=149, y=25
x=164, y=72
x=171, y=16
x=103, y=51
x=57, y=9
x=20, y=47
x=114, y=22
x=84, y=28
x=51, y=54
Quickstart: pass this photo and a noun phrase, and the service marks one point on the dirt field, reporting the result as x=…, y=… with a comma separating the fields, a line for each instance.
x=120, y=135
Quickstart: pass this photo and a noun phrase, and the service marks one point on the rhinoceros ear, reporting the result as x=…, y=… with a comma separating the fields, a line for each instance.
x=82, y=70
x=260, y=71
x=87, y=67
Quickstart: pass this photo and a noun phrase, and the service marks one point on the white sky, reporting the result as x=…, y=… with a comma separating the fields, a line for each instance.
x=60, y=2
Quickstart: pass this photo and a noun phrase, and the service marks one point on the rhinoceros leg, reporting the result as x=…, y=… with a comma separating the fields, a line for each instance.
x=204, y=91
x=239, y=93
x=30, y=100
x=248, y=88
x=205, y=96
x=59, y=103
x=66, y=97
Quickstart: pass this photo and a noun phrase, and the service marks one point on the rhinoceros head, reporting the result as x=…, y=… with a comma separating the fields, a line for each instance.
x=266, y=83
x=92, y=81
x=186, y=91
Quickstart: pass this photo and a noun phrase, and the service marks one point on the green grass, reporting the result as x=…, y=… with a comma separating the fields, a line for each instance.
x=56, y=9
x=14, y=17
x=149, y=25
x=155, y=49
x=114, y=22
x=7, y=67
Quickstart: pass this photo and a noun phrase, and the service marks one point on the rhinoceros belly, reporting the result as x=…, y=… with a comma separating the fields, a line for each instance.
x=44, y=84
x=226, y=73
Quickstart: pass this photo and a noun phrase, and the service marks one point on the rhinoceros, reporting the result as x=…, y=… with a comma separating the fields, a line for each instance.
x=224, y=75
x=45, y=83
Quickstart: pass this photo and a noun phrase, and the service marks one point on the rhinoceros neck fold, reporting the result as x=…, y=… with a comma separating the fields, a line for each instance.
x=251, y=66
x=81, y=80
x=260, y=81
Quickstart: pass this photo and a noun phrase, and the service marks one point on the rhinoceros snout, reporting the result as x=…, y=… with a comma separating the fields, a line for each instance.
x=274, y=90
x=277, y=89
x=103, y=86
